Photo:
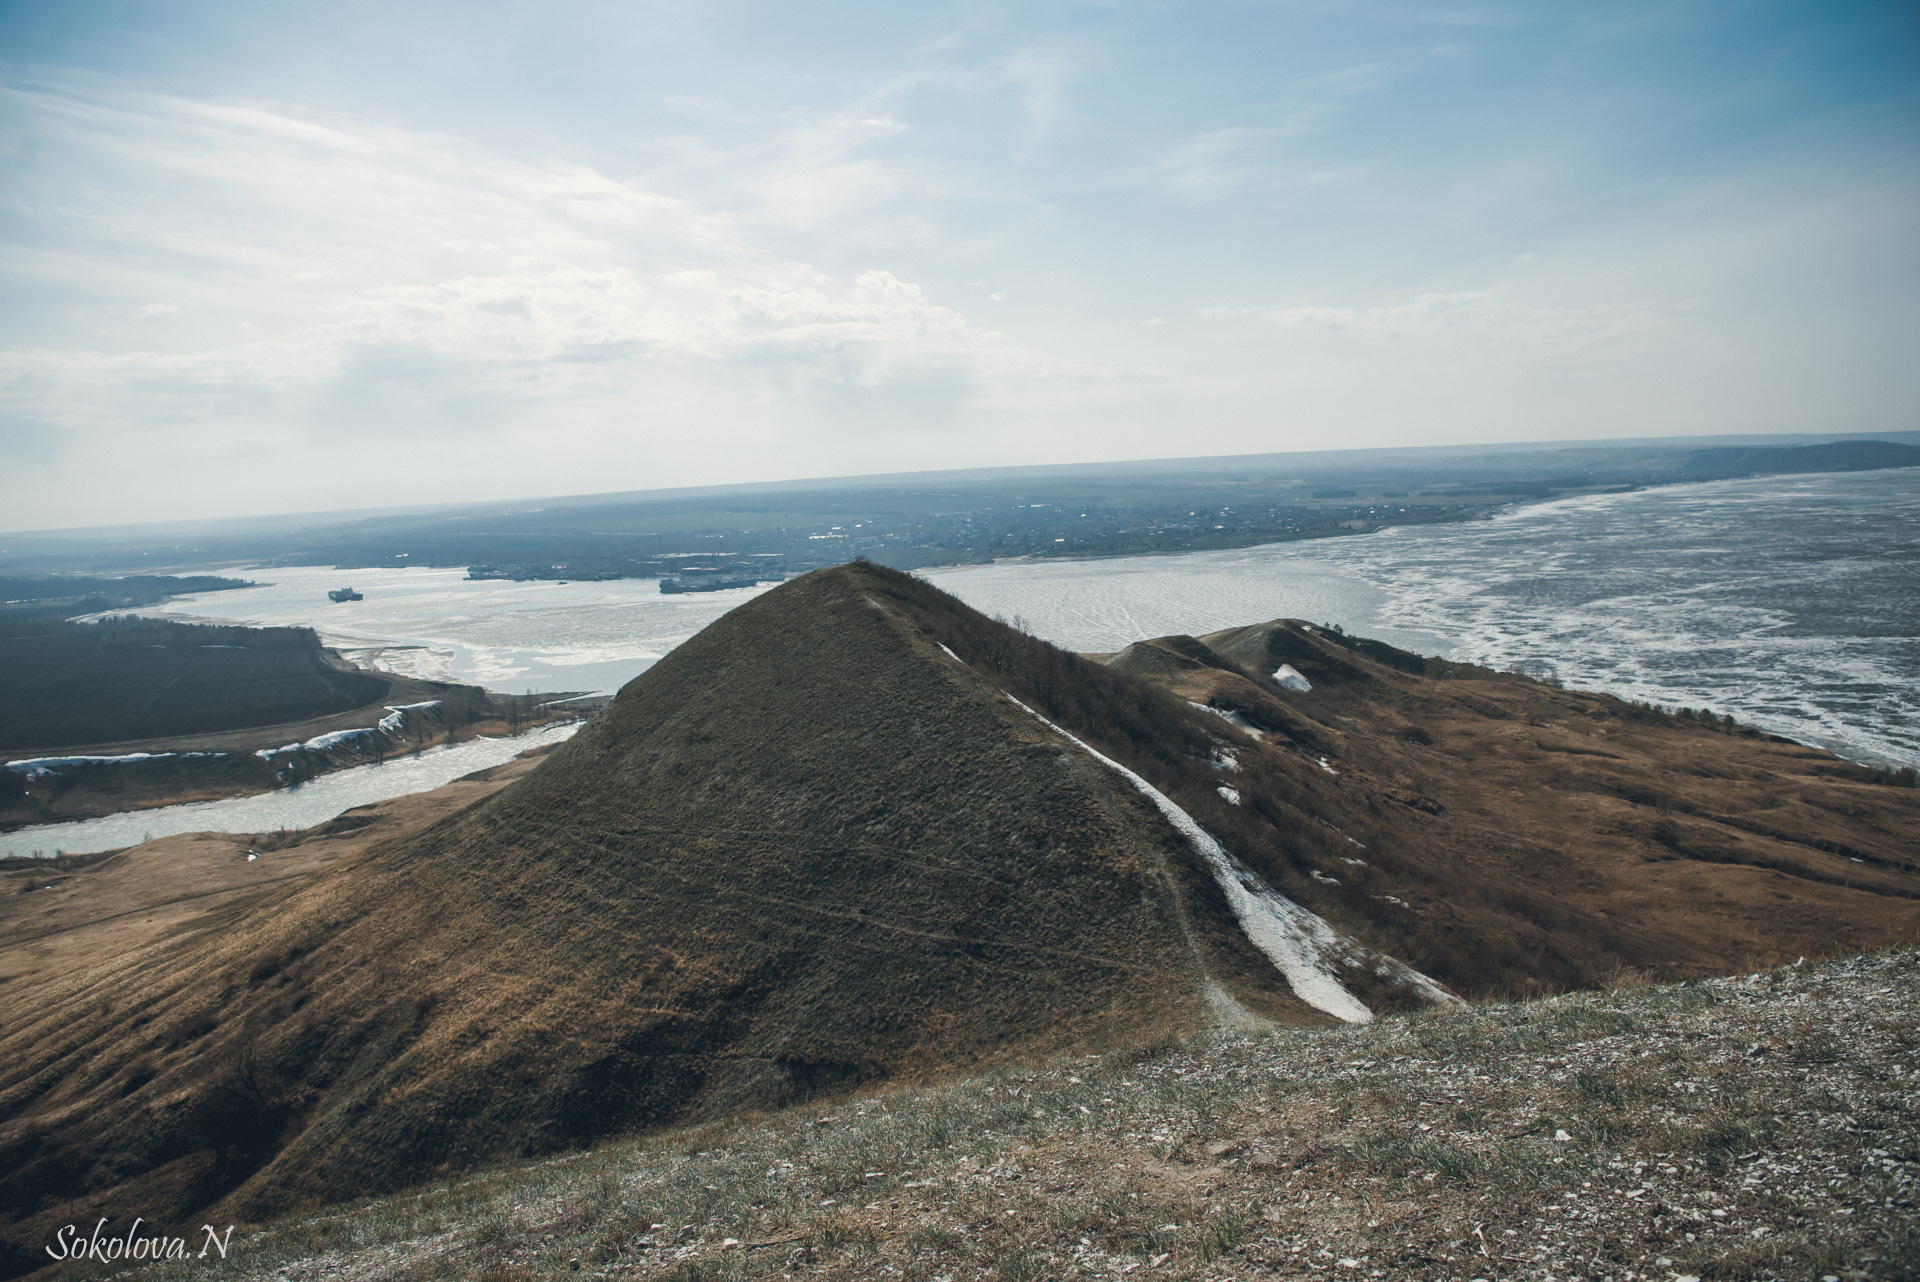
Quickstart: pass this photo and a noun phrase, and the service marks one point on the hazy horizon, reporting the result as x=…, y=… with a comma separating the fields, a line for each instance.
x=320, y=258
x=1307, y=462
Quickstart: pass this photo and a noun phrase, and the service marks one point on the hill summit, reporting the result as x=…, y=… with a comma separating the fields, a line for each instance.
x=814, y=846
x=856, y=831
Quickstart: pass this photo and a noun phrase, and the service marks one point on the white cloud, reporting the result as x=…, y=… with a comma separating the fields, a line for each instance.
x=746, y=258
x=333, y=242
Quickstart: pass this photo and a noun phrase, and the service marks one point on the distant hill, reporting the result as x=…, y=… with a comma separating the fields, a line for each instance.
x=136, y=679
x=1834, y=456
x=912, y=520
x=128, y=712
x=90, y=594
x=854, y=831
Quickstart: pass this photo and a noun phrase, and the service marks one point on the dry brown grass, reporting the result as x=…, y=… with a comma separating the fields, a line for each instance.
x=1649, y=1133
x=807, y=854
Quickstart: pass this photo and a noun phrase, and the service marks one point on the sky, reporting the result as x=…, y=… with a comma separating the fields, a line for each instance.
x=301, y=256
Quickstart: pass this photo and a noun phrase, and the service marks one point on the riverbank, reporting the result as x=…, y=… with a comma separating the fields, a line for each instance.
x=52, y=916
x=111, y=779
x=305, y=805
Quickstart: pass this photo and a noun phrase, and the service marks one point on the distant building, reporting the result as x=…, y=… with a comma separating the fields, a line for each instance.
x=734, y=572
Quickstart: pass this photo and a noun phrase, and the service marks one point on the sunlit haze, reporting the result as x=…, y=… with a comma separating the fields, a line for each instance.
x=297, y=256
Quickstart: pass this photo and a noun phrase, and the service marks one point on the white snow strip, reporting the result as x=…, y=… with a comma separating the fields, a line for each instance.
x=1290, y=679
x=320, y=742
x=951, y=655
x=1233, y=719
x=1291, y=937
x=391, y=724
x=40, y=765
x=1329, y=769
x=1231, y=794
x=396, y=718
x=35, y=767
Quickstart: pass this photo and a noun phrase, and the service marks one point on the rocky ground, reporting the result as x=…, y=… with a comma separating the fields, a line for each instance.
x=1757, y=1127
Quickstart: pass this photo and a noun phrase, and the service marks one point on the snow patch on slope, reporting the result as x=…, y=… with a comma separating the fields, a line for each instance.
x=1290, y=678
x=390, y=726
x=396, y=718
x=1295, y=940
x=1233, y=719
x=39, y=767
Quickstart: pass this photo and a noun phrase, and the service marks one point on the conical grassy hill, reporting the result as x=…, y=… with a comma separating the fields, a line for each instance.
x=807, y=849
x=855, y=831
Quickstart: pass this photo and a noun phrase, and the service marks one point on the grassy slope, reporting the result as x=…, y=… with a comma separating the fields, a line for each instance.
x=1761, y=1127
x=137, y=680
x=1521, y=838
x=804, y=850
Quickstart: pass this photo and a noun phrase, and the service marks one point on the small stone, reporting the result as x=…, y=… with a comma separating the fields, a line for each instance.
x=1561, y=1137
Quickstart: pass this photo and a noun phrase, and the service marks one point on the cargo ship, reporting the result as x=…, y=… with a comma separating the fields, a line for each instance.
x=344, y=594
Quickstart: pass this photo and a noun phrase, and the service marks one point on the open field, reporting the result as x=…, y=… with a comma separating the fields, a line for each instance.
x=1755, y=1127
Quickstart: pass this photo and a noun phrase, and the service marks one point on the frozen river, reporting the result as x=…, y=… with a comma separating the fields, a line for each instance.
x=301, y=806
x=1791, y=602
x=499, y=634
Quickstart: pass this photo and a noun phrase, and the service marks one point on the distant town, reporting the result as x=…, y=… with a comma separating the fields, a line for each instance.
x=1019, y=529
x=694, y=540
